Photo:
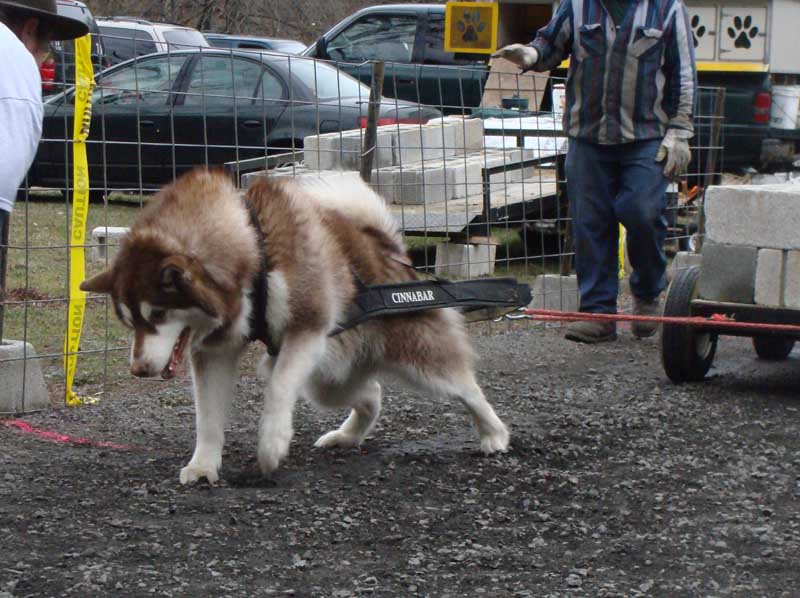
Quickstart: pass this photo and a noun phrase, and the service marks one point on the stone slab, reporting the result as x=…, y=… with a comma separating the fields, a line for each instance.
x=465, y=260
x=791, y=281
x=728, y=273
x=765, y=216
x=342, y=150
x=552, y=291
x=105, y=241
x=22, y=387
x=769, y=277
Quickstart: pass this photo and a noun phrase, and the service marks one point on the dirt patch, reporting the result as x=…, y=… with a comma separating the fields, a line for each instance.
x=617, y=483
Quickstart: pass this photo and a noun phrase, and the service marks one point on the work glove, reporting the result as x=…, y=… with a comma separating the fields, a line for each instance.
x=675, y=148
x=521, y=55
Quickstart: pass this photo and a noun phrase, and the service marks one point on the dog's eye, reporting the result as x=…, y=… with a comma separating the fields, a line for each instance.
x=157, y=316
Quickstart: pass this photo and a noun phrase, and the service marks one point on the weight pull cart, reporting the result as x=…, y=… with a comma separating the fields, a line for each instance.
x=687, y=351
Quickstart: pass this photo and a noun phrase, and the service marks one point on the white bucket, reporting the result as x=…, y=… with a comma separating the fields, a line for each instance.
x=785, y=107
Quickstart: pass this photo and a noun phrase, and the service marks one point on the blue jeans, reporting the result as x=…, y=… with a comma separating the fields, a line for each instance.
x=608, y=185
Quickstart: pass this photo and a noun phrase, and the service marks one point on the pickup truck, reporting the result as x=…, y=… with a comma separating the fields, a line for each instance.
x=410, y=38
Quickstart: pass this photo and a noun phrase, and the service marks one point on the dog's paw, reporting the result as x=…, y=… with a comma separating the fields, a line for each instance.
x=496, y=442
x=337, y=438
x=270, y=455
x=195, y=472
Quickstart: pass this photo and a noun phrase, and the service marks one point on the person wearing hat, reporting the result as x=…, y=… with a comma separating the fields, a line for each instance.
x=26, y=29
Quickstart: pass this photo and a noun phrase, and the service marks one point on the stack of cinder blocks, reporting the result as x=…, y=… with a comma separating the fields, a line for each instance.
x=751, y=253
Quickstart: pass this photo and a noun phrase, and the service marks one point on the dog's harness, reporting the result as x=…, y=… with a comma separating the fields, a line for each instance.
x=259, y=330
x=385, y=300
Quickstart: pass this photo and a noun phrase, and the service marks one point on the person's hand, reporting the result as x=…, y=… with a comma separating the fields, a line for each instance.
x=521, y=55
x=675, y=149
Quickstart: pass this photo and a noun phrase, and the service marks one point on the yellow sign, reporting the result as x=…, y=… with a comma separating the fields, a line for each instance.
x=84, y=82
x=470, y=27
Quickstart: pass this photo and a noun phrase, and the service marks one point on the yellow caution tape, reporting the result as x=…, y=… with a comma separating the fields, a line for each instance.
x=84, y=83
x=621, y=252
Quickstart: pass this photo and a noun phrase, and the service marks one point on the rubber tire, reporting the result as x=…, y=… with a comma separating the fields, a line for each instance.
x=773, y=348
x=686, y=354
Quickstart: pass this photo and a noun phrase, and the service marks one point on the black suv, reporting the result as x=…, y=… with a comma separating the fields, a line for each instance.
x=410, y=38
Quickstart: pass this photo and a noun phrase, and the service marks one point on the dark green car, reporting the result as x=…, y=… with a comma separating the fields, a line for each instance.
x=410, y=39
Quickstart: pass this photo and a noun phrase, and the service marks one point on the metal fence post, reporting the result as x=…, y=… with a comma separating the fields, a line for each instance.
x=371, y=132
x=5, y=219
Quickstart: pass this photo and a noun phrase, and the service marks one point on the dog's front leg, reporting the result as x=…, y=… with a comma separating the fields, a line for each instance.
x=214, y=378
x=299, y=355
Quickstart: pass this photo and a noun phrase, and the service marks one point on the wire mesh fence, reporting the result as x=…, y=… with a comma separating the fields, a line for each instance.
x=470, y=162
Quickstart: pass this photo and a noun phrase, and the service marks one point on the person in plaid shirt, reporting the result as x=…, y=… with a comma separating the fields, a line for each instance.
x=630, y=97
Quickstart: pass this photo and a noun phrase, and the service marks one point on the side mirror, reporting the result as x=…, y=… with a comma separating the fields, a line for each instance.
x=322, y=48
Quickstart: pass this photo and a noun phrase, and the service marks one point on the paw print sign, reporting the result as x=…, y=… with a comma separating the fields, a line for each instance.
x=470, y=27
x=742, y=33
x=703, y=22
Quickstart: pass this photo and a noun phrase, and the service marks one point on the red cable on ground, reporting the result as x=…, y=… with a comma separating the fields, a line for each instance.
x=63, y=438
x=715, y=321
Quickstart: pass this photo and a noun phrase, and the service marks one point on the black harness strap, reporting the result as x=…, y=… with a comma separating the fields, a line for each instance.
x=259, y=331
x=406, y=297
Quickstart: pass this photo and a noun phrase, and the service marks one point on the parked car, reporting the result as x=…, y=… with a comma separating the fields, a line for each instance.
x=247, y=42
x=157, y=116
x=410, y=38
x=127, y=37
x=58, y=70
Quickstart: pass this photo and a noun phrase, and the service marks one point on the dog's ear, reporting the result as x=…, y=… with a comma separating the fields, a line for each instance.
x=100, y=283
x=177, y=277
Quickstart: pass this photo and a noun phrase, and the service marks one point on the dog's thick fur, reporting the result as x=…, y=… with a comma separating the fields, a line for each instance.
x=183, y=280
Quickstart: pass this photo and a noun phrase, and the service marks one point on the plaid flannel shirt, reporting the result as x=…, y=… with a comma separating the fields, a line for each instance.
x=625, y=83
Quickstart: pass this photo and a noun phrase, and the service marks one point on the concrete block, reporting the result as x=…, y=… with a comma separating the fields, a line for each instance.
x=766, y=216
x=415, y=143
x=342, y=150
x=791, y=281
x=551, y=291
x=465, y=260
x=420, y=186
x=728, y=273
x=769, y=277
x=683, y=260
x=22, y=386
x=105, y=241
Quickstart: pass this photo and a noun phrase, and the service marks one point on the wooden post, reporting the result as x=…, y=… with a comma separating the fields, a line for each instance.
x=711, y=162
x=371, y=132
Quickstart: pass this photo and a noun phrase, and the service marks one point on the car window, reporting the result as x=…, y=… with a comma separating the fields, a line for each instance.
x=376, y=37
x=289, y=47
x=271, y=87
x=216, y=80
x=324, y=81
x=121, y=44
x=144, y=83
x=220, y=42
x=434, y=44
x=185, y=39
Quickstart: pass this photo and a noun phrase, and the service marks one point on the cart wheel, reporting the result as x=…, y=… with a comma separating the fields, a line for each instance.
x=773, y=348
x=686, y=352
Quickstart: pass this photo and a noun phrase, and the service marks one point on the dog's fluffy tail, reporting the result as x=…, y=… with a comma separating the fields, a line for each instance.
x=352, y=197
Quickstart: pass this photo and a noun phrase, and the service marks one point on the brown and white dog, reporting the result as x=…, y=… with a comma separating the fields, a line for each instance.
x=183, y=280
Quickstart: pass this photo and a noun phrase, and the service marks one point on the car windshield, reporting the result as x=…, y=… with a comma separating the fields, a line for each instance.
x=325, y=81
x=184, y=39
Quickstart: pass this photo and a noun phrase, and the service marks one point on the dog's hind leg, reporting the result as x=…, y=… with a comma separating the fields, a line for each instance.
x=365, y=400
x=214, y=378
x=299, y=355
x=434, y=353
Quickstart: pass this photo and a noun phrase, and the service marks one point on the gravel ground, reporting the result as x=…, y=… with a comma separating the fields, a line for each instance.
x=617, y=483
